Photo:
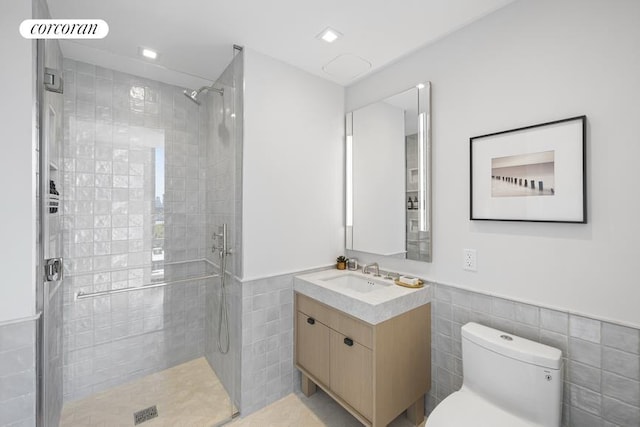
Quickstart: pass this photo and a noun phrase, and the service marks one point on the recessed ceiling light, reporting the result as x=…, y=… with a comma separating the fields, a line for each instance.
x=148, y=53
x=329, y=35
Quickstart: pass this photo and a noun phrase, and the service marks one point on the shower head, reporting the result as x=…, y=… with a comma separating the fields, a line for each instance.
x=193, y=94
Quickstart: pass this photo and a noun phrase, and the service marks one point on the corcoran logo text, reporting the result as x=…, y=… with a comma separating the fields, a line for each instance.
x=64, y=28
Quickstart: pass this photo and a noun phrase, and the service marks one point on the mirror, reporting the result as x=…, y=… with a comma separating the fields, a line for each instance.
x=388, y=176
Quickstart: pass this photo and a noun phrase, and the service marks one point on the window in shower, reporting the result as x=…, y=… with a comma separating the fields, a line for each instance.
x=157, y=246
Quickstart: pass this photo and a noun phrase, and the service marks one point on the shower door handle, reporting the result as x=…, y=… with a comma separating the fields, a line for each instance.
x=53, y=270
x=53, y=81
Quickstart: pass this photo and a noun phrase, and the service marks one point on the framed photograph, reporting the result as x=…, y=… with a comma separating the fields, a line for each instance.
x=535, y=173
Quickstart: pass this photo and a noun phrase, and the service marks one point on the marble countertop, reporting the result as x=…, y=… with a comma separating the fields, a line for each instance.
x=384, y=301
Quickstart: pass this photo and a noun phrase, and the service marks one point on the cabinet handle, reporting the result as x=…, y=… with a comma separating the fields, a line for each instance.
x=311, y=320
x=348, y=341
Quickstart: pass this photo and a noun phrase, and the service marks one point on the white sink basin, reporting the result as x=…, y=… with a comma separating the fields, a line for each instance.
x=357, y=283
x=369, y=298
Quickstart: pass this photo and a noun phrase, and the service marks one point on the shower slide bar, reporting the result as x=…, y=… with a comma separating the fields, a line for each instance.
x=83, y=295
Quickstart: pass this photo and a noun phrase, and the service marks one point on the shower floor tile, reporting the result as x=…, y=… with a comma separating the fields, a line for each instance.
x=297, y=410
x=187, y=395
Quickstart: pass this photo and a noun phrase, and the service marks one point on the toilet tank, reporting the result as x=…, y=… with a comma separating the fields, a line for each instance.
x=521, y=376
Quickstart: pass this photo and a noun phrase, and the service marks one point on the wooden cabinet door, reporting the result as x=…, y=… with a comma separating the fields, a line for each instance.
x=312, y=347
x=352, y=373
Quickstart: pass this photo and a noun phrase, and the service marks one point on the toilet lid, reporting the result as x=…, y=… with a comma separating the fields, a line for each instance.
x=465, y=408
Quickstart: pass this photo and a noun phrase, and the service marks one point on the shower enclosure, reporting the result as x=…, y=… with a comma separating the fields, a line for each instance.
x=148, y=225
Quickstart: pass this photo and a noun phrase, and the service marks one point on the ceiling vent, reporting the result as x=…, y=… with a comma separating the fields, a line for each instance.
x=347, y=67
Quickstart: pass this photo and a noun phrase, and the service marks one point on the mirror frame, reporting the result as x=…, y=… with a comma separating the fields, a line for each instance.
x=424, y=168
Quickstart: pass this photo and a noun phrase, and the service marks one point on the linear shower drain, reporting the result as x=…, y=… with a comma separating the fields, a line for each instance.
x=145, y=414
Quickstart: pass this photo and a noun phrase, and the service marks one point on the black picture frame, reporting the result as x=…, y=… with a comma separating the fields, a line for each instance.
x=534, y=173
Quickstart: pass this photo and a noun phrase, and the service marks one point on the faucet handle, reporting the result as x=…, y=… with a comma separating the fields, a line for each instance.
x=391, y=275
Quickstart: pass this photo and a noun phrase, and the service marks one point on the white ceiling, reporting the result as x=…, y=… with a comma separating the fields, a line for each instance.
x=195, y=37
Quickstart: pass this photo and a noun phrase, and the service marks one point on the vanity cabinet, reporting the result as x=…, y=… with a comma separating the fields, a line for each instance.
x=313, y=343
x=374, y=371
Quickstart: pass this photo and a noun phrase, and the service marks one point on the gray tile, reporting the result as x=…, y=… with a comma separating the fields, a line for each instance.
x=620, y=413
x=585, y=352
x=501, y=324
x=585, y=376
x=456, y=332
x=21, y=359
x=621, y=337
x=18, y=384
x=459, y=314
x=443, y=343
x=622, y=363
x=443, y=309
x=481, y=318
x=553, y=320
x=621, y=388
x=442, y=293
x=585, y=399
x=27, y=422
x=461, y=297
x=17, y=335
x=527, y=331
x=481, y=303
x=457, y=349
x=443, y=360
x=503, y=308
x=565, y=415
x=17, y=409
x=457, y=366
x=584, y=328
x=584, y=419
x=528, y=314
x=556, y=340
x=443, y=326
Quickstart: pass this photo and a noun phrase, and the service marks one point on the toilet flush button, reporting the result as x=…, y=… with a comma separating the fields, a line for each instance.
x=506, y=337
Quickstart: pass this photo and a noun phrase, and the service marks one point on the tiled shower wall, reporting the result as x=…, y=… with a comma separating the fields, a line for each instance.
x=601, y=359
x=18, y=374
x=120, y=132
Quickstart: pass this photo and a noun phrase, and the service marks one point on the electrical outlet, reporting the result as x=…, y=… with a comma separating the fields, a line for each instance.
x=469, y=260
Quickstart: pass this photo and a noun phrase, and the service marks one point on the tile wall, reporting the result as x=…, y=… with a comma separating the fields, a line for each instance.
x=124, y=138
x=18, y=374
x=267, y=341
x=601, y=359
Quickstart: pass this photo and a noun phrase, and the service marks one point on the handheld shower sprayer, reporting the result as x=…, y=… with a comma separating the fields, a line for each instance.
x=220, y=246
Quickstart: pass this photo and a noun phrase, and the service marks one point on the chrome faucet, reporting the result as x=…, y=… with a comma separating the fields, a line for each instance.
x=367, y=266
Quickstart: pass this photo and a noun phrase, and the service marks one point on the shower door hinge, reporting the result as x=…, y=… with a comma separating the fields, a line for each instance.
x=53, y=269
x=53, y=80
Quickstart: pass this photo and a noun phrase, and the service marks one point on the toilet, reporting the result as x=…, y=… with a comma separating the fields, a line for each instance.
x=508, y=381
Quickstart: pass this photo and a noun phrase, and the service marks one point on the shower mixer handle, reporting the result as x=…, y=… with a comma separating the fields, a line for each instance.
x=220, y=241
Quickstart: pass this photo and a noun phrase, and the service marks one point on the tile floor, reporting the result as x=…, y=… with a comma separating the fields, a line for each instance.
x=187, y=395
x=297, y=410
x=190, y=395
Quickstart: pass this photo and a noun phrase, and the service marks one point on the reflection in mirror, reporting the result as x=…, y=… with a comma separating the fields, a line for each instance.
x=388, y=176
